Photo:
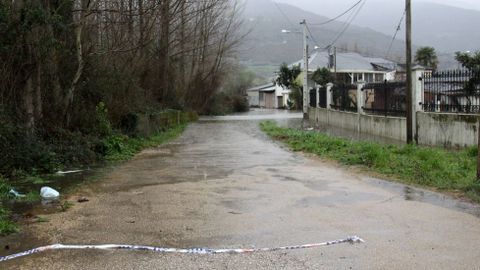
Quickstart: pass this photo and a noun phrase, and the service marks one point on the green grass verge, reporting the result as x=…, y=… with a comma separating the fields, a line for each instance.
x=6, y=225
x=423, y=166
x=121, y=147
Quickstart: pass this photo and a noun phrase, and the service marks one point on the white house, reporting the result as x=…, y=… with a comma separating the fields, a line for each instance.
x=348, y=67
x=352, y=67
x=270, y=96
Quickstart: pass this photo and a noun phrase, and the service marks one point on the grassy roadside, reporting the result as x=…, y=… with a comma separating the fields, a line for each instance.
x=117, y=148
x=423, y=166
x=122, y=147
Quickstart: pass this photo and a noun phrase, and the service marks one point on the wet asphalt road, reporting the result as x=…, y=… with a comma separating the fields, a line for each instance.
x=223, y=183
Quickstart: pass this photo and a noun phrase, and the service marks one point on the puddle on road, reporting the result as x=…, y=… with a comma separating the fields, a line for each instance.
x=219, y=146
x=408, y=193
x=26, y=212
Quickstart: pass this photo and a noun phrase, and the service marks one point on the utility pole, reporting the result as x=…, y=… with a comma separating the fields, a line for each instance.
x=306, y=92
x=410, y=110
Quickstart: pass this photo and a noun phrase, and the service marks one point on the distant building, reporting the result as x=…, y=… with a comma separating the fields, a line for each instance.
x=352, y=67
x=347, y=67
x=270, y=96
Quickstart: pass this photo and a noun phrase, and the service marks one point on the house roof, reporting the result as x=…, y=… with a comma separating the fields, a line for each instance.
x=261, y=87
x=271, y=87
x=348, y=62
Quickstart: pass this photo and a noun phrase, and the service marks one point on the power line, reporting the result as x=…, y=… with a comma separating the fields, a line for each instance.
x=347, y=24
x=337, y=17
x=312, y=37
x=395, y=35
x=285, y=15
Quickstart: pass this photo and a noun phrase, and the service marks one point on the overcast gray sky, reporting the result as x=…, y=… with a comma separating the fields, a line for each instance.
x=324, y=7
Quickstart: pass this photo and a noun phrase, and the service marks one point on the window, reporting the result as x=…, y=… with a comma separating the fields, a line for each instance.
x=379, y=77
x=369, y=77
x=357, y=77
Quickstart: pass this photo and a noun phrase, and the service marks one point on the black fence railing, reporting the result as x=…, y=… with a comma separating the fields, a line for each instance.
x=344, y=97
x=322, y=99
x=385, y=98
x=452, y=91
x=313, y=98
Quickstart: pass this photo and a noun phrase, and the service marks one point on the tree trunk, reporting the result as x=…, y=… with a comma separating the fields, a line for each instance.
x=164, y=51
x=38, y=93
x=71, y=91
x=29, y=106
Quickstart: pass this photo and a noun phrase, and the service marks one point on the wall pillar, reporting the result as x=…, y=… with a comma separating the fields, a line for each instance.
x=318, y=96
x=360, y=97
x=417, y=97
x=329, y=95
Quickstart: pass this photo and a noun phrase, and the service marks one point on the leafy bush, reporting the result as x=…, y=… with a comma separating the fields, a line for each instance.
x=24, y=151
x=103, y=128
x=4, y=189
x=239, y=104
x=6, y=226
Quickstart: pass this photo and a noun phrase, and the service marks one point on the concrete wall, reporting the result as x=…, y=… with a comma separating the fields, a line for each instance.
x=253, y=98
x=433, y=129
x=446, y=129
x=388, y=127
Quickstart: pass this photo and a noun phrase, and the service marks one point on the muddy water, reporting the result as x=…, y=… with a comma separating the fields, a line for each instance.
x=224, y=183
x=63, y=183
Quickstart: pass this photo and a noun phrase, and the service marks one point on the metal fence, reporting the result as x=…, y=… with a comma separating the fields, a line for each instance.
x=344, y=97
x=455, y=91
x=322, y=99
x=385, y=98
x=313, y=98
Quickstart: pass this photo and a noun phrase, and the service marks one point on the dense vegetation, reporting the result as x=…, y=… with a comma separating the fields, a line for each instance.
x=76, y=74
x=289, y=78
x=423, y=166
x=73, y=71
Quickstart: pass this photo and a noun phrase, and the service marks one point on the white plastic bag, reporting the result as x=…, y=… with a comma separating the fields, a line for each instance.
x=49, y=193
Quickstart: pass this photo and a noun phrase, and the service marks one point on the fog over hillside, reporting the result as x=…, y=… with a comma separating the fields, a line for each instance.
x=266, y=47
x=447, y=28
x=448, y=25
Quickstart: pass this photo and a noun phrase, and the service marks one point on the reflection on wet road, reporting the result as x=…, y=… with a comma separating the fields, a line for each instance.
x=225, y=184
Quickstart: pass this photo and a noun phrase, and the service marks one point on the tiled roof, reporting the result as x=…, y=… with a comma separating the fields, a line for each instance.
x=348, y=62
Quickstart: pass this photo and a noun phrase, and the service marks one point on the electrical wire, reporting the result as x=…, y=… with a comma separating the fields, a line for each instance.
x=395, y=35
x=312, y=37
x=337, y=17
x=331, y=20
x=285, y=15
x=347, y=24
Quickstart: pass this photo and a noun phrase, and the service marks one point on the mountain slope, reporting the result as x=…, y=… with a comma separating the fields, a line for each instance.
x=446, y=28
x=267, y=46
x=435, y=23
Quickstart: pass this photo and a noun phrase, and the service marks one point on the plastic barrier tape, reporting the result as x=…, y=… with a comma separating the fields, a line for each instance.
x=351, y=240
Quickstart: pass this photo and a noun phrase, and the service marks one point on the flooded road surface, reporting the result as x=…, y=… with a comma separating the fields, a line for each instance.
x=223, y=183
